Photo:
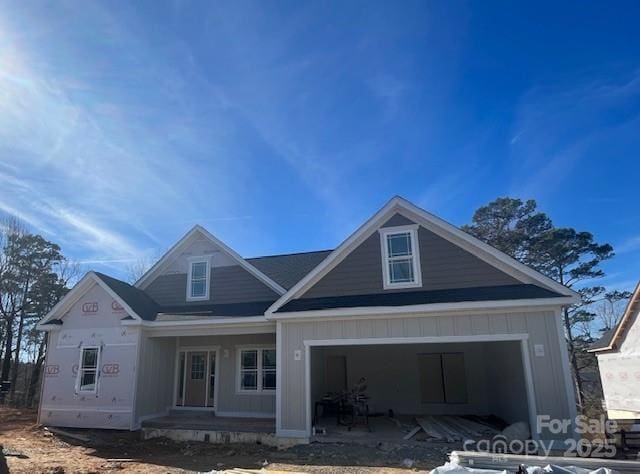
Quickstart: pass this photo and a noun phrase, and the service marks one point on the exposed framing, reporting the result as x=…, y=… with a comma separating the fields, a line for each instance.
x=412, y=230
x=523, y=339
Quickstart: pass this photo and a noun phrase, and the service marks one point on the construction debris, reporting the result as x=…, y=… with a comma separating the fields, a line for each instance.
x=453, y=428
x=511, y=463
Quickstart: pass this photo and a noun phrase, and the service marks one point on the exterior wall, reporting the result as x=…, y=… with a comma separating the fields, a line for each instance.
x=620, y=375
x=506, y=387
x=156, y=376
x=444, y=265
x=229, y=282
x=542, y=328
x=393, y=376
x=93, y=321
x=230, y=401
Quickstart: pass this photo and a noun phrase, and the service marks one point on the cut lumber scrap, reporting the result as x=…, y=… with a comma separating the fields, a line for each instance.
x=479, y=460
x=412, y=433
x=58, y=431
x=430, y=429
x=465, y=431
x=451, y=433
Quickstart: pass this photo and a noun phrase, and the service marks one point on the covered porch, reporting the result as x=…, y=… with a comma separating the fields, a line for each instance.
x=212, y=382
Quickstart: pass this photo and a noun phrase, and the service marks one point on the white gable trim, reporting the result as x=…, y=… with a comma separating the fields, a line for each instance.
x=633, y=306
x=78, y=291
x=438, y=226
x=148, y=277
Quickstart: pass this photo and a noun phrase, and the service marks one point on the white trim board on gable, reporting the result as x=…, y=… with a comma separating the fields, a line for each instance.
x=148, y=277
x=85, y=284
x=398, y=205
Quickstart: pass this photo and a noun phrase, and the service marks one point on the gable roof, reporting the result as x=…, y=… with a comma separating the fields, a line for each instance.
x=137, y=299
x=453, y=295
x=288, y=269
x=115, y=288
x=612, y=338
x=148, y=277
x=398, y=205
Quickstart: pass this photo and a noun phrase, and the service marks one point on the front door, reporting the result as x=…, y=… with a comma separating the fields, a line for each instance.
x=196, y=379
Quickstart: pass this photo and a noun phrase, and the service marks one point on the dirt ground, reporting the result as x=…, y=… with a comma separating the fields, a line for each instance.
x=34, y=450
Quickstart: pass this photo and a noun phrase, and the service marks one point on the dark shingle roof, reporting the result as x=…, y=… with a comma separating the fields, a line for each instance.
x=137, y=299
x=251, y=308
x=604, y=340
x=455, y=295
x=288, y=269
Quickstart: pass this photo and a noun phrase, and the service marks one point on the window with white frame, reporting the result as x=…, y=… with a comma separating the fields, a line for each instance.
x=400, y=257
x=198, y=279
x=88, y=370
x=257, y=370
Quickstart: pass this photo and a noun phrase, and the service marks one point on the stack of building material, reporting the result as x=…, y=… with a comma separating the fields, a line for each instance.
x=453, y=428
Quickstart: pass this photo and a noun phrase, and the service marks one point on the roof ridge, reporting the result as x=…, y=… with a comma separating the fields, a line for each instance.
x=288, y=254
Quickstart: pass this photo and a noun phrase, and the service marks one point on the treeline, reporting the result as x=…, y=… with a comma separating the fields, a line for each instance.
x=34, y=276
x=570, y=257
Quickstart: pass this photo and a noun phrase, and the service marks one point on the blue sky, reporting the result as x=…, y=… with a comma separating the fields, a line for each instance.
x=281, y=126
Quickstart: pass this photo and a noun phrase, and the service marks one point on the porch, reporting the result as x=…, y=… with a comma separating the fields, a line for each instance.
x=205, y=426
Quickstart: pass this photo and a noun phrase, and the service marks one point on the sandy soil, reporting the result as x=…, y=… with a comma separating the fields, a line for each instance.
x=34, y=450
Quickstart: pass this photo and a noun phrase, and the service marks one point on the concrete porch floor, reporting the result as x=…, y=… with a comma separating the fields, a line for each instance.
x=207, y=421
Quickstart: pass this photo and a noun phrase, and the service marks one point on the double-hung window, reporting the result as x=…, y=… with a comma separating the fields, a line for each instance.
x=198, y=279
x=400, y=257
x=88, y=370
x=257, y=370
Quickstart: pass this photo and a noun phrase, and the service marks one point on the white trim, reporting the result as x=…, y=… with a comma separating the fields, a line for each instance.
x=528, y=378
x=245, y=414
x=278, y=376
x=187, y=349
x=259, y=348
x=136, y=380
x=385, y=232
x=522, y=338
x=79, y=389
x=566, y=368
x=438, y=226
x=425, y=309
x=78, y=291
x=235, y=321
x=146, y=279
x=620, y=328
x=206, y=259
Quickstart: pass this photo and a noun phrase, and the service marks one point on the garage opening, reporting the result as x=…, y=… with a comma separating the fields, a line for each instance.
x=387, y=390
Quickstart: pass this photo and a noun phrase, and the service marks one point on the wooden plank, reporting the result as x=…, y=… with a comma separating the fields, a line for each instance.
x=430, y=429
x=412, y=433
x=464, y=430
x=451, y=433
x=512, y=461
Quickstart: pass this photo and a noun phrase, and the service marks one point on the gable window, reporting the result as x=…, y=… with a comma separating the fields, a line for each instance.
x=88, y=370
x=198, y=279
x=256, y=370
x=400, y=257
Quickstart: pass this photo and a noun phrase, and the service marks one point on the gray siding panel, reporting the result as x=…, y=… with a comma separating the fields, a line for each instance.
x=231, y=284
x=444, y=265
x=548, y=378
